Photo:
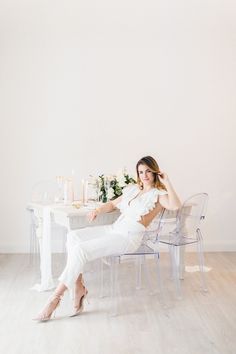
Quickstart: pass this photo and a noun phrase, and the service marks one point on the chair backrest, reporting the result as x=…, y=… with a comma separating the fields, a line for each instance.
x=183, y=222
x=165, y=221
x=44, y=192
x=191, y=213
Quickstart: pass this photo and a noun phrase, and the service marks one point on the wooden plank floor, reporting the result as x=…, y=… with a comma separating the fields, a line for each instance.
x=200, y=323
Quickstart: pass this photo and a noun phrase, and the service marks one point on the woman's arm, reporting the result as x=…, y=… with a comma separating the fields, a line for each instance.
x=147, y=219
x=169, y=201
x=105, y=208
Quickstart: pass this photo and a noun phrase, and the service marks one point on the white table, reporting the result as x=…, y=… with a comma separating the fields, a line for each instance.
x=67, y=216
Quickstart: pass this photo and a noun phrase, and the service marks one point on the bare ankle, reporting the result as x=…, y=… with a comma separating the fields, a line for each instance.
x=56, y=293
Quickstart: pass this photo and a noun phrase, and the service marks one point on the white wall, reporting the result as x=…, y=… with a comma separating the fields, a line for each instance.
x=95, y=85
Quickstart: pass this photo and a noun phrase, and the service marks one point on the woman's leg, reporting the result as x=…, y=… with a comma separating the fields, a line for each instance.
x=101, y=243
x=77, y=258
x=88, y=233
x=52, y=304
x=80, y=290
x=83, y=252
x=76, y=237
x=105, y=243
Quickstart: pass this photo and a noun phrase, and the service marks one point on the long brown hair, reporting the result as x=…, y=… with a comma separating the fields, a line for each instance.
x=151, y=163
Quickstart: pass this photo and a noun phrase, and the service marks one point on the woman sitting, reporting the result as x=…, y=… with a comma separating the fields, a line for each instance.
x=139, y=205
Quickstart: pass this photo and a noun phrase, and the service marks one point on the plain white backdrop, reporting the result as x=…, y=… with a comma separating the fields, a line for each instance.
x=95, y=85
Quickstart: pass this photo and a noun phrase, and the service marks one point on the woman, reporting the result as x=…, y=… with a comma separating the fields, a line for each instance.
x=139, y=205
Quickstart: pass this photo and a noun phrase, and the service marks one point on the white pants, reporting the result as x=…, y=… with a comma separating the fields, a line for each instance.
x=91, y=243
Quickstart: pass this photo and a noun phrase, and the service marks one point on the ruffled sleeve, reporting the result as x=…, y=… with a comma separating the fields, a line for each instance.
x=149, y=202
x=143, y=204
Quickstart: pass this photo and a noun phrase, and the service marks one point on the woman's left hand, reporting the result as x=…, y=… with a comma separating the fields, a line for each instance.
x=92, y=215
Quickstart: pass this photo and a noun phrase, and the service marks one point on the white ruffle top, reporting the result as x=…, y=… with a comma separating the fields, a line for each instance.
x=134, y=206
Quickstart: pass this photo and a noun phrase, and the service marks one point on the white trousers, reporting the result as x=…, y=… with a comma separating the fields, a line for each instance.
x=91, y=243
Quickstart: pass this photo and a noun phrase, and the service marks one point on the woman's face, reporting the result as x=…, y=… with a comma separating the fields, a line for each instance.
x=146, y=175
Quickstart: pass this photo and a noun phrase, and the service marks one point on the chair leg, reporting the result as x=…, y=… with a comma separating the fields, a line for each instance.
x=114, y=294
x=101, y=279
x=147, y=275
x=201, y=261
x=34, y=246
x=175, y=266
x=171, y=262
x=181, y=262
x=138, y=272
x=159, y=279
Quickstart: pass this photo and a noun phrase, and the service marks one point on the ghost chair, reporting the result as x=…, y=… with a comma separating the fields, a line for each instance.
x=148, y=247
x=43, y=193
x=186, y=232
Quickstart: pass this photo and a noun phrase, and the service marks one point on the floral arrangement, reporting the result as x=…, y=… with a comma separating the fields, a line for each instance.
x=110, y=187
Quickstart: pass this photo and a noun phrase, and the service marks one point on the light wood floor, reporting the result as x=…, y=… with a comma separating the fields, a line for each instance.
x=200, y=323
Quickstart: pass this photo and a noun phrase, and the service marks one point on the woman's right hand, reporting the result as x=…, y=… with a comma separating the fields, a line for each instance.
x=92, y=215
x=163, y=177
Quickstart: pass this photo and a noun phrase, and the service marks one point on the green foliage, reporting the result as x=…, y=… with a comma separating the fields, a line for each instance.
x=113, y=185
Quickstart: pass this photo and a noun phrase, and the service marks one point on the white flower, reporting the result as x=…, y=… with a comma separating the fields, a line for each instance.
x=99, y=183
x=110, y=193
x=109, y=178
x=120, y=177
x=110, y=186
x=121, y=180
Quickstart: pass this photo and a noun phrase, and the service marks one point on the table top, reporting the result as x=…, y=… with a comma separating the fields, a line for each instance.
x=66, y=210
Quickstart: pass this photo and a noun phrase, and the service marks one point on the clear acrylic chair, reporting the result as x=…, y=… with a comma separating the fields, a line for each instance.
x=186, y=232
x=43, y=192
x=149, y=247
x=34, y=245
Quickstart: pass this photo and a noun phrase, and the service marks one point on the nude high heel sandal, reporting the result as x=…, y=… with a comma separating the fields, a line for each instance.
x=49, y=309
x=80, y=307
